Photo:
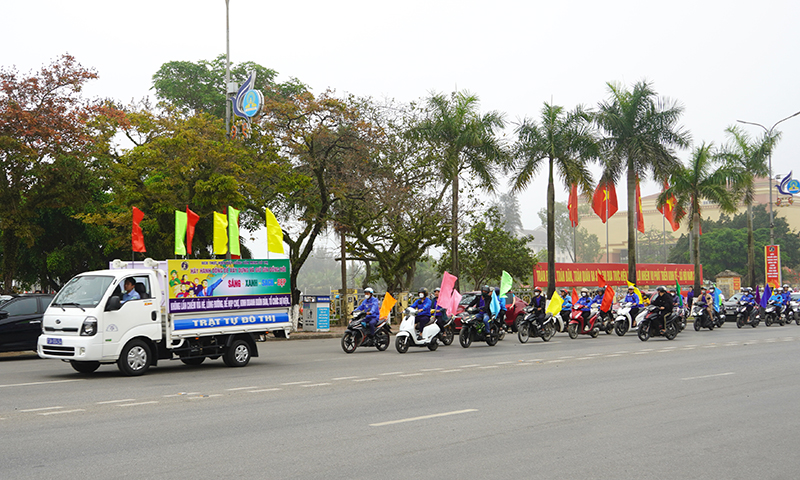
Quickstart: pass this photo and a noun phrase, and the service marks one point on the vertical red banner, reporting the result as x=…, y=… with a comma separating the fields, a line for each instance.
x=772, y=265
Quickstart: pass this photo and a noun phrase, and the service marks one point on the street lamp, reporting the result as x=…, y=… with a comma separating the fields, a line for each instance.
x=769, y=135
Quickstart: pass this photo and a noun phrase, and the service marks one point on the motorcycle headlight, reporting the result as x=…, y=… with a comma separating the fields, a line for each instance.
x=89, y=327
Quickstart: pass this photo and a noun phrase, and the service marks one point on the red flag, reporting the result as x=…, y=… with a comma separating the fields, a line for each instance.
x=137, y=237
x=608, y=299
x=669, y=209
x=639, y=213
x=574, y=297
x=572, y=206
x=605, y=200
x=191, y=221
x=601, y=280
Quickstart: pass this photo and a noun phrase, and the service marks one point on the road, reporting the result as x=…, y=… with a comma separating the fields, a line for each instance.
x=710, y=404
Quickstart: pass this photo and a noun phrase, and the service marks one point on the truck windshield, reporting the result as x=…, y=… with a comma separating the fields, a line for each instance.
x=83, y=291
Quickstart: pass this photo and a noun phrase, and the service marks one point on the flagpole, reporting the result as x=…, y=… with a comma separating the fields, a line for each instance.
x=574, y=245
x=664, y=231
x=608, y=259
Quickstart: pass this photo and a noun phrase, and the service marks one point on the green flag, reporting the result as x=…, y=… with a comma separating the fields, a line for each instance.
x=180, y=233
x=505, y=283
x=678, y=290
x=233, y=231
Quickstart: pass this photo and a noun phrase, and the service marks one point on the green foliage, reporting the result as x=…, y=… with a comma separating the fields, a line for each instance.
x=588, y=244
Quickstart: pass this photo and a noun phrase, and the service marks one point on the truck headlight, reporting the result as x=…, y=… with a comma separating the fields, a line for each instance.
x=89, y=327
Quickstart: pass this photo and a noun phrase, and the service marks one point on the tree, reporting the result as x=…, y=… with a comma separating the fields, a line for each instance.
x=702, y=179
x=54, y=149
x=508, y=206
x=747, y=159
x=588, y=245
x=462, y=140
x=640, y=132
x=565, y=142
x=488, y=249
x=651, y=245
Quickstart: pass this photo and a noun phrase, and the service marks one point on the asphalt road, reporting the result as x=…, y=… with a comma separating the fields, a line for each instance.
x=710, y=404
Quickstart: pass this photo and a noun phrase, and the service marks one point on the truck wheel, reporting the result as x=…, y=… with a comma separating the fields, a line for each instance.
x=193, y=360
x=134, y=359
x=84, y=367
x=238, y=355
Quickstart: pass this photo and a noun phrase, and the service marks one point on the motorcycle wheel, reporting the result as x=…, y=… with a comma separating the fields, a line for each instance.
x=572, y=330
x=433, y=345
x=739, y=321
x=671, y=332
x=621, y=328
x=465, y=337
x=523, y=332
x=493, y=336
x=697, y=325
x=447, y=335
x=518, y=322
x=401, y=343
x=382, y=341
x=501, y=332
x=549, y=332
x=594, y=333
x=797, y=319
x=349, y=343
x=781, y=322
x=768, y=320
x=644, y=332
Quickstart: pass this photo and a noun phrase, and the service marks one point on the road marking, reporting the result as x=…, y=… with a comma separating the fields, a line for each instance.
x=666, y=350
x=583, y=358
x=181, y=394
x=239, y=388
x=593, y=354
x=470, y=366
x=430, y=369
x=137, y=404
x=264, y=390
x=640, y=353
x=344, y=378
x=297, y=383
x=40, y=383
x=316, y=385
x=366, y=379
x=453, y=370
x=554, y=361
x=116, y=401
x=708, y=376
x=40, y=409
x=206, y=396
x=503, y=363
x=567, y=357
x=62, y=411
x=391, y=373
x=425, y=417
x=687, y=348
x=489, y=366
x=622, y=352
x=537, y=360
x=412, y=374
x=613, y=355
x=691, y=345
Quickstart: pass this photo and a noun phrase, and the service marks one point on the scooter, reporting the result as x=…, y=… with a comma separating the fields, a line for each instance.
x=701, y=318
x=647, y=328
x=474, y=329
x=579, y=326
x=772, y=314
x=407, y=335
x=743, y=318
x=356, y=335
x=446, y=329
x=536, y=325
x=623, y=321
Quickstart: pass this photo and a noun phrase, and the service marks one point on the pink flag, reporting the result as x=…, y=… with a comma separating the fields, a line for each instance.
x=456, y=299
x=446, y=292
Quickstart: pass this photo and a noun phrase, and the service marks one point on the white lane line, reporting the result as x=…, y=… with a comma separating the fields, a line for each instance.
x=613, y=355
x=593, y=354
x=690, y=346
x=343, y=378
x=391, y=373
x=40, y=409
x=316, y=385
x=503, y=363
x=640, y=353
x=206, y=396
x=430, y=369
x=264, y=390
x=622, y=352
x=555, y=361
x=412, y=375
x=453, y=370
x=115, y=401
x=137, y=404
x=567, y=357
x=470, y=366
x=181, y=394
x=708, y=376
x=296, y=383
x=489, y=366
x=365, y=379
x=664, y=351
x=709, y=346
x=59, y=412
x=537, y=360
x=239, y=388
x=39, y=383
x=687, y=348
x=583, y=358
x=425, y=417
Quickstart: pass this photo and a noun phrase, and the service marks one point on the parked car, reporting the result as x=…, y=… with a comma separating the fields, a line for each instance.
x=732, y=304
x=21, y=321
x=512, y=311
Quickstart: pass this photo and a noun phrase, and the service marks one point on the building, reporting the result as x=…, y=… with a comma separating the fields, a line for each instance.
x=539, y=244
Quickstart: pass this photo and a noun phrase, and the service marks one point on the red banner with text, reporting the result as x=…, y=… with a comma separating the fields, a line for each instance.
x=772, y=265
x=616, y=274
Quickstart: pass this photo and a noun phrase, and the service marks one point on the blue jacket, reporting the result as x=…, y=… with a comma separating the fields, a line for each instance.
x=633, y=298
x=423, y=306
x=747, y=298
x=598, y=299
x=539, y=301
x=787, y=296
x=567, y=305
x=584, y=303
x=209, y=291
x=372, y=306
x=777, y=298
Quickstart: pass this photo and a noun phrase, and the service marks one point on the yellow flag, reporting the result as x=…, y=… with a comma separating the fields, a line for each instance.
x=220, y=234
x=274, y=234
x=386, y=306
x=637, y=292
x=555, y=304
x=233, y=231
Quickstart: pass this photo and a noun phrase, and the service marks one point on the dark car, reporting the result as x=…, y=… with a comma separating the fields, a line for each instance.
x=731, y=304
x=21, y=321
x=512, y=311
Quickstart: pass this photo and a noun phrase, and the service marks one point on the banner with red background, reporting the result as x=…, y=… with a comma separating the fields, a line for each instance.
x=616, y=274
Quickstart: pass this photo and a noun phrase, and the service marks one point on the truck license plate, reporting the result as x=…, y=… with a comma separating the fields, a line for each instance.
x=54, y=341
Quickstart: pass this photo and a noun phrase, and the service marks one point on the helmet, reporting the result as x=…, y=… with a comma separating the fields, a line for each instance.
x=564, y=291
x=437, y=289
x=785, y=286
x=661, y=289
x=631, y=287
x=369, y=290
x=539, y=289
x=424, y=291
x=584, y=291
x=485, y=289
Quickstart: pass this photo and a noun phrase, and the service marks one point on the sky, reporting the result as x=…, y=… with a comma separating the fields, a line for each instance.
x=721, y=60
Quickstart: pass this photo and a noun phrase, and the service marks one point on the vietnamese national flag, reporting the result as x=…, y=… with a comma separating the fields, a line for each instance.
x=608, y=299
x=137, y=237
x=191, y=221
x=639, y=213
x=572, y=206
x=604, y=201
x=601, y=280
x=575, y=297
x=669, y=209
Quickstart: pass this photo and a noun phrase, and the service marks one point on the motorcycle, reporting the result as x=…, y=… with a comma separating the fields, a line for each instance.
x=446, y=329
x=473, y=329
x=623, y=321
x=772, y=314
x=701, y=318
x=681, y=317
x=647, y=328
x=579, y=326
x=407, y=335
x=607, y=321
x=356, y=334
x=794, y=313
x=743, y=318
x=536, y=325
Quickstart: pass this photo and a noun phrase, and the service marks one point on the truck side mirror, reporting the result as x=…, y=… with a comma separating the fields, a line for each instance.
x=113, y=303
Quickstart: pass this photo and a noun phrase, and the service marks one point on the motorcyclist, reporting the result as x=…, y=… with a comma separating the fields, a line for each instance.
x=777, y=299
x=538, y=303
x=501, y=315
x=749, y=300
x=423, y=306
x=566, y=306
x=634, y=300
x=664, y=303
x=483, y=303
x=584, y=304
x=787, y=298
x=437, y=311
x=372, y=306
x=713, y=308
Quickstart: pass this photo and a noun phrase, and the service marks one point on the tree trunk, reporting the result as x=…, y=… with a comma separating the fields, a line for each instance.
x=751, y=249
x=696, y=249
x=454, y=244
x=551, y=234
x=344, y=311
x=631, y=225
x=10, y=247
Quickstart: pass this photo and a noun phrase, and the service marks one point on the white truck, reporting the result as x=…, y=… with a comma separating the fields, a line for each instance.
x=89, y=323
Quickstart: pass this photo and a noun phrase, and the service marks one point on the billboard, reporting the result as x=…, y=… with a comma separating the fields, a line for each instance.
x=772, y=265
x=616, y=274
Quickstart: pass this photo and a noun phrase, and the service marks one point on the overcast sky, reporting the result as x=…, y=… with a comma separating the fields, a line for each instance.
x=722, y=60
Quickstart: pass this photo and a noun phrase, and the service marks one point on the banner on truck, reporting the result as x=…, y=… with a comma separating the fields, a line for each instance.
x=201, y=285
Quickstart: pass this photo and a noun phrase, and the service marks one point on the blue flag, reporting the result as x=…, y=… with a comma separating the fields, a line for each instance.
x=717, y=300
x=765, y=297
x=495, y=305
x=758, y=296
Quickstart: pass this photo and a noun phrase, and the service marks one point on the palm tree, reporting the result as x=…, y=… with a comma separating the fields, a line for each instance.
x=705, y=178
x=747, y=159
x=565, y=141
x=465, y=141
x=640, y=133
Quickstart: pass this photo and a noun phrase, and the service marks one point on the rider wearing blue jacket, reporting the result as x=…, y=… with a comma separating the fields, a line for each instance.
x=423, y=306
x=566, y=306
x=584, y=303
x=372, y=306
x=748, y=299
x=483, y=302
x=636, y=302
